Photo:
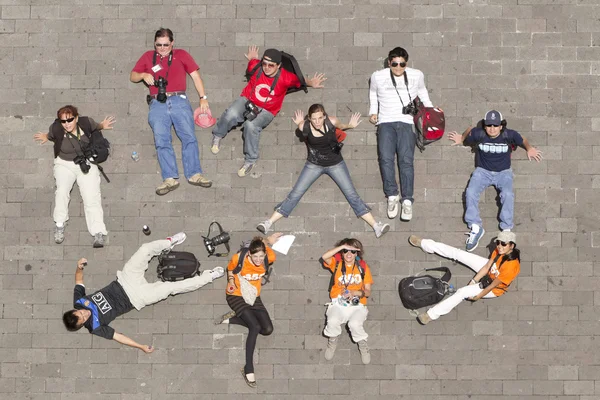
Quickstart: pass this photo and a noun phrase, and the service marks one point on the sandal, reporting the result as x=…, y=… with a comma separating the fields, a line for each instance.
x=250, y=383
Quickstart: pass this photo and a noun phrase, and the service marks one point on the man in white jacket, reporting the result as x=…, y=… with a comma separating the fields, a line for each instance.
x=391, y=108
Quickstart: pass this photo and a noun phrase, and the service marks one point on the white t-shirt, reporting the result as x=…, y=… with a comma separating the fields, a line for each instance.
x=384, y=101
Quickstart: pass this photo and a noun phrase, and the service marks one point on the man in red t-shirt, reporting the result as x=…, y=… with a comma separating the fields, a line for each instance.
x=172, y=108
x=259, y=102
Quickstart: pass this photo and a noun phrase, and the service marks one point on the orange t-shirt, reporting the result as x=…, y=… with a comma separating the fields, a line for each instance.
x=507, y=273
x=352, y=277
x=251, y=272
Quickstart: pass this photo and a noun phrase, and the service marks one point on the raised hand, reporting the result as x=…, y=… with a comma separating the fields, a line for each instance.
x=40, y=137
x=534, y=154
x=354, y=120
x=107, y=123
x=298, y=117
x=252, y=53
x=455, y=137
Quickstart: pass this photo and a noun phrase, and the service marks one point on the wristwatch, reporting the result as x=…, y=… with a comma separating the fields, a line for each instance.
x=203, y=97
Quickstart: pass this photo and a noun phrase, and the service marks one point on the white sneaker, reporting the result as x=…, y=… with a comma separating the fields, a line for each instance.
x=177, y=238
x=330, y=350
x=265, y=226
x=380, y=228
x=217, y=272
x=406, y=214
x=393, y=206
x=365, y=355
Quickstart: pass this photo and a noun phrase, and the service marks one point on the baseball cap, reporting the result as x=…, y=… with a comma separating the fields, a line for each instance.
x=204, y=119
x=507, y=236
x=493, y=117
x=273, y=54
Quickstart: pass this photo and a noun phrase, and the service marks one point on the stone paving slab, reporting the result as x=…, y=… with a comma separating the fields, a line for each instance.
x=537, y=61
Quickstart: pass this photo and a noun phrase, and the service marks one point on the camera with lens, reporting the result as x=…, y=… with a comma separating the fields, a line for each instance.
x=161, y=83
x=251, y=111
x=409, y=109
x=355, y=300
x=83, y=163
x=211, y=243
x=336, y=147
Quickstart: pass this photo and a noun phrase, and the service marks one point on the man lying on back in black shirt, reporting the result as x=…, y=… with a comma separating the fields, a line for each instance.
x=130, y=290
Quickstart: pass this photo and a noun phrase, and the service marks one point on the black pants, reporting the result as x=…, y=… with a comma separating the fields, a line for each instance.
x=257, y=321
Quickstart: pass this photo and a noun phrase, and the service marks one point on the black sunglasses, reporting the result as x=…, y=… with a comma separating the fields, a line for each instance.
x=395, y=64
x=69, y=120
x=349, y=251
x=493, y=126
x=162, y=44
x=504, y=244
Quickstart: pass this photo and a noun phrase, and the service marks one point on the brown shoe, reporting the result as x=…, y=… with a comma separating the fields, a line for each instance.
x=423, y=319
x=415, y=240
x=167, y=186
x=200, y=180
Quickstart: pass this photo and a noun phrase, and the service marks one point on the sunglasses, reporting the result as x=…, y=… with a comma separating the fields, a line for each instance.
x=493, y=126
x=395, y=64
x=68, y=120
x=162, y=44
x=501, y=243
x=349, y=251
x=268, y=64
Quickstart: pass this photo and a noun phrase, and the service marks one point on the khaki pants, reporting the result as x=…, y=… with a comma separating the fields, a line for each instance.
x=66, y=173
x=141, y=293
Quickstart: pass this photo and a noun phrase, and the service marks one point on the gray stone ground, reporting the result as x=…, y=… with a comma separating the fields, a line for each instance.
x=535, y=60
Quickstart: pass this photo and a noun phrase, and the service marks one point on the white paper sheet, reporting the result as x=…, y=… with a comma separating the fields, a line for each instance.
x=284, y=243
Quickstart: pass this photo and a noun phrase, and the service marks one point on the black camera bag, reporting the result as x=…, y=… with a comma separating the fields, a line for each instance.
x=423, y=290
x=177, y=265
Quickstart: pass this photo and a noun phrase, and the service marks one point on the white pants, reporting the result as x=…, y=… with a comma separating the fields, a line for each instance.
x=355, y=316
x=472, y=261
x=140, y=292
x=66, y=173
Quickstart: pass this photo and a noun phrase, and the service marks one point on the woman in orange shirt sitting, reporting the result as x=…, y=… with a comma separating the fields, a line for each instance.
x=492, y=276
x=257, y=259
x=350, y=287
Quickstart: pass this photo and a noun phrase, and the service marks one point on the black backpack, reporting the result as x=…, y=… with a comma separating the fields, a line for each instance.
x=177, y=265
x=289, y=63
x=424, y=290
x=266, y=265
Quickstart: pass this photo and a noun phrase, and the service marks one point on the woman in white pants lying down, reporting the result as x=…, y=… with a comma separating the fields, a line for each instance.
x=492, y=276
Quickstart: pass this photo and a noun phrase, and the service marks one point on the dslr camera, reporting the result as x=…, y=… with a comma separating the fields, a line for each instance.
x=83, y=160
x=161, y=83
x=355, y=300
x=336, y=147
x=212, y=243
x=409, y=109
x=251, y=111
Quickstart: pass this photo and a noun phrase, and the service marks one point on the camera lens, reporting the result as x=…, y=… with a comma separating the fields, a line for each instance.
x=221, y=238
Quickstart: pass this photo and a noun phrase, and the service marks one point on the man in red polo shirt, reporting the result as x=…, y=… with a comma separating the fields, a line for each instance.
x=164, y=70
x=259, y=102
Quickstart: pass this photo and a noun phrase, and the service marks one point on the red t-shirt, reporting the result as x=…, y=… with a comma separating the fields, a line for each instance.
x=257, y=90
x=182, y=64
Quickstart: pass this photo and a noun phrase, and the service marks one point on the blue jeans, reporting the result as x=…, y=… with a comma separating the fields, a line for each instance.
x=310, y=173
x=481, y=179
x=176, y=111
x=397, y=139
x=233, y=116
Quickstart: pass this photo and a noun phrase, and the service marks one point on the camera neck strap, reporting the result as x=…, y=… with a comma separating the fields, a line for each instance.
x=396, y=89
x=168, y=63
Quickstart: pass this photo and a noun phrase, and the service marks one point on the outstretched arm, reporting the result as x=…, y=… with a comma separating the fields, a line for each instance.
x=532, y=152
x=132, y=343
x=316, y=81
x=79, y=271
x=252, y=53
x=353, y=123
x=457, y=138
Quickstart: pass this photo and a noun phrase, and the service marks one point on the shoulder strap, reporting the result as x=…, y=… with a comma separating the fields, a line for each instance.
x=447, y=274
x=242, y=255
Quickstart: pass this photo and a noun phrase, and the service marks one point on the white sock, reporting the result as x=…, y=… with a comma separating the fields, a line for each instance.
x=475, y=228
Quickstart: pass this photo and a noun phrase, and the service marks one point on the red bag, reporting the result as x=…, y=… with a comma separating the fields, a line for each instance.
x=430, y=124
x=340, y=135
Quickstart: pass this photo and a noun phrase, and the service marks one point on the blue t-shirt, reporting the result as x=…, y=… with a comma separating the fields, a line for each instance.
x=493, y=154
x=106, y=304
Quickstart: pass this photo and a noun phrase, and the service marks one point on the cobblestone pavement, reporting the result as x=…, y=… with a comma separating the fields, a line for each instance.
x=536, y=61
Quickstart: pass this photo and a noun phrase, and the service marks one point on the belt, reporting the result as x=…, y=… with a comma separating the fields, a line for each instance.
x=169, y=94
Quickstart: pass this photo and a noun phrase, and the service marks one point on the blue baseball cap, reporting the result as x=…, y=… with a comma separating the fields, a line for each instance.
x=492, y=117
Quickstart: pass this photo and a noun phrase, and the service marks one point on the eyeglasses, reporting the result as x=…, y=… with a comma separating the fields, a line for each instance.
x=268, y=64
x=493, y=126
x=395, y=64
x=68, y=120
x=349, y=251
x=501, y=243
x=162, y=44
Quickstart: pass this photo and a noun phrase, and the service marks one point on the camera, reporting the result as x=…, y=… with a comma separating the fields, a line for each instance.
x=212, y=243
x=161, y=83
x=355, y=300
x=336, y=147
x=409, y=109
x=251, y=111
x=83, y=163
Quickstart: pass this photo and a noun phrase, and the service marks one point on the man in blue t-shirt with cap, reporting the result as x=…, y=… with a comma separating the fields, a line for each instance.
x=493, y=144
